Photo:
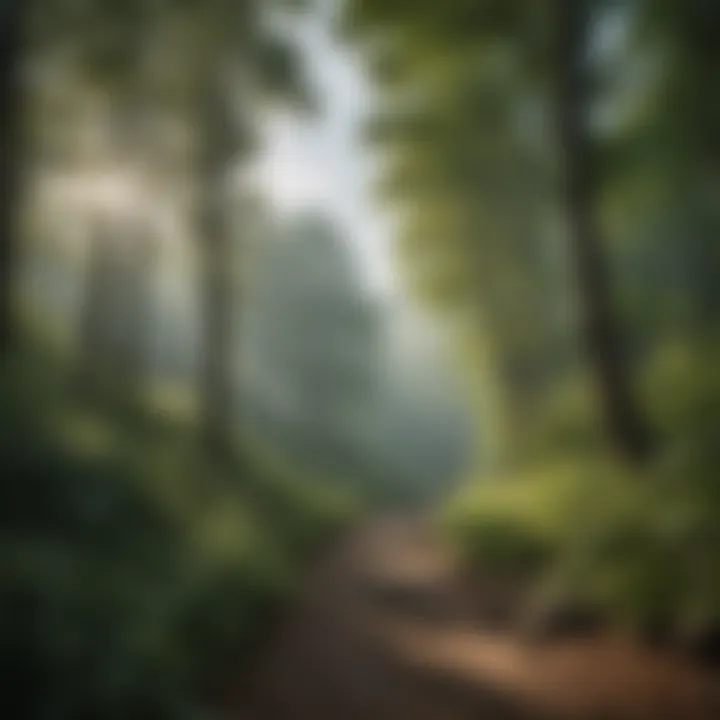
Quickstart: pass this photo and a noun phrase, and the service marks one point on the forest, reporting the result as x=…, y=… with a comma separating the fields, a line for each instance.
x=360, y=359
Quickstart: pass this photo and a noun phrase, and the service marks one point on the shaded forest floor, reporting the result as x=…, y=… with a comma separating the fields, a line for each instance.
x=386, y=627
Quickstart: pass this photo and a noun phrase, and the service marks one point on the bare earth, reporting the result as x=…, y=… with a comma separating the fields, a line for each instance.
x=386, y=629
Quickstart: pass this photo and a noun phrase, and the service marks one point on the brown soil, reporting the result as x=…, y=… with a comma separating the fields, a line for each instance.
x=386, y=629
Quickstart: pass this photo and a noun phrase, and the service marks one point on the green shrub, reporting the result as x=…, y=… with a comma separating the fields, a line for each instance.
x=645, y=546
x=509, y=524
x=133, y=573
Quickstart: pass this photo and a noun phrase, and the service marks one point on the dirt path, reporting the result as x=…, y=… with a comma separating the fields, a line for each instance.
x=385, y=630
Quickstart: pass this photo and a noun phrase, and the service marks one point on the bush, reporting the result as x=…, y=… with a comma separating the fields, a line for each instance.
x=134, y=575
x=508, y=524
x=643, y=547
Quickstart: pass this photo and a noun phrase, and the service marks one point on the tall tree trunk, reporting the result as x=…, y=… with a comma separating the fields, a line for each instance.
x=12, y=16
x=622, y=417
x=216, y=291
x=98, y=326
x=139, y=289
x=139, y=107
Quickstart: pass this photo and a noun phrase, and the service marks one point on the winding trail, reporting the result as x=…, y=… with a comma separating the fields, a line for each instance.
x=386, y=629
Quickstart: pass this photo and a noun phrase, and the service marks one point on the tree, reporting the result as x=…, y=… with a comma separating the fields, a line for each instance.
x=240, y=65
x=99, y=326
x=159, y=62
x=540, y=52
x=310, y=343
x=599, y=327
x=12, y=45
x=26, y=29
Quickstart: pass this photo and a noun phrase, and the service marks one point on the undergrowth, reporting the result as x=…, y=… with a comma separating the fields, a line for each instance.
x=135, y=574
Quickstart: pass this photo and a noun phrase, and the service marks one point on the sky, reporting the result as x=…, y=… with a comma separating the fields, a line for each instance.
x=320, y=162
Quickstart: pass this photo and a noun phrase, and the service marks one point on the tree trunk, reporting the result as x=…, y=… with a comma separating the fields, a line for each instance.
x=216, y=333
x=98, y=327
x=216, y=290
x=622, y=417
x=11, y=158
x=138, y=109
x=139, y=288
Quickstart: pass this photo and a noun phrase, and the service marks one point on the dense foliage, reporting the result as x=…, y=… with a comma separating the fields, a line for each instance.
x=136, y=577
x=552, y=171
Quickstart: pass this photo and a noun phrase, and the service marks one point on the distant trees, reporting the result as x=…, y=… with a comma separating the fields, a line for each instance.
x=420, y=443
x=325, y=381
x=161, y=71
x=239, y=65
x=312, y=339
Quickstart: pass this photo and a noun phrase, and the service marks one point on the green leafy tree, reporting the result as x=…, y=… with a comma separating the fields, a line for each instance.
x=541, y=52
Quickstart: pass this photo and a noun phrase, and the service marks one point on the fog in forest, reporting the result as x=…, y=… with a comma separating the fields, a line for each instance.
x=359, y=359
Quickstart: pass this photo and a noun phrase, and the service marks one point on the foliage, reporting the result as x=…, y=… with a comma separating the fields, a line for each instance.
x=131, y=581
x=641, y=545
x=484, y=107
